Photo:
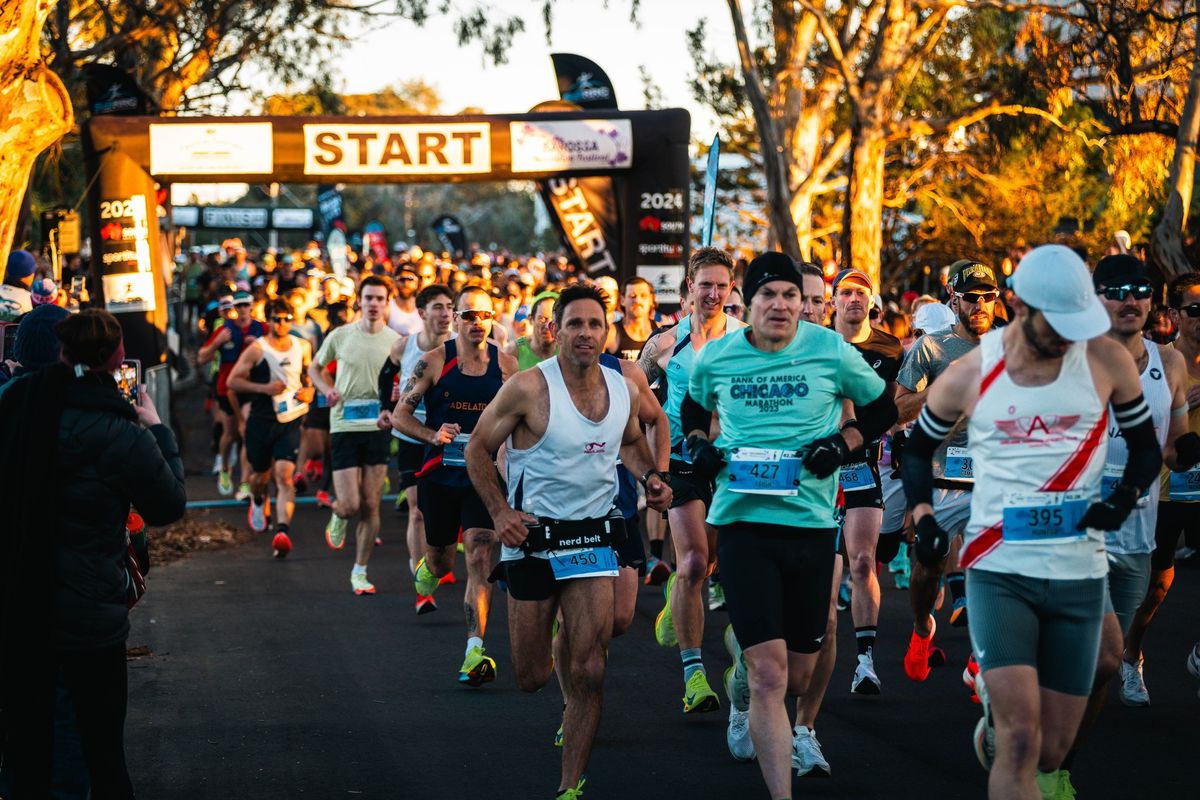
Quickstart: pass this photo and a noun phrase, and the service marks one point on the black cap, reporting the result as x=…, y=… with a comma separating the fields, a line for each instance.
x=1119, y=270
x=769, y=267
x=967, y=273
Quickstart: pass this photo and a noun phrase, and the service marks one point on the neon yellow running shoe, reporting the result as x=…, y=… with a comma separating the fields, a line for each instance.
x=335, y=532
x=477, y=669
x=572, y=793
x=698, y=696
x=664, y=623
x=424, y=580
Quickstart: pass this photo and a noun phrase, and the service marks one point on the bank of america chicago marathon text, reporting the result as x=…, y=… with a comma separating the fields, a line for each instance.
x=768, y=393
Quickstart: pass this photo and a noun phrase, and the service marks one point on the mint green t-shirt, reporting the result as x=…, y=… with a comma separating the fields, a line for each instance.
x=783, y=400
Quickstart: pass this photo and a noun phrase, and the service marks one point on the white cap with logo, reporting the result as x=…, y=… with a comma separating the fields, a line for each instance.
x=1054, y=280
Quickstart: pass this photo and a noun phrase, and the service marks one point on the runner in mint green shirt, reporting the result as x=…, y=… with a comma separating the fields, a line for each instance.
x=777, y=390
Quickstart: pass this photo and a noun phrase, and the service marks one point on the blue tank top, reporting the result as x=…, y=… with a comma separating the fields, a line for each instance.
x=457, y=398
x=627, y=493
x=679, y=373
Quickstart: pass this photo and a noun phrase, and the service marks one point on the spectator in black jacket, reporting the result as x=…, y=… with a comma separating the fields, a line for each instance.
x=75, y=455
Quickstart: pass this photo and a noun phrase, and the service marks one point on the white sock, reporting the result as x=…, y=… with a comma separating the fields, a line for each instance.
x=473, y=642
x=359, y=569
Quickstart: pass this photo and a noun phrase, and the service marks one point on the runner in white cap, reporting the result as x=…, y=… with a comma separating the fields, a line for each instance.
x=1036, y=394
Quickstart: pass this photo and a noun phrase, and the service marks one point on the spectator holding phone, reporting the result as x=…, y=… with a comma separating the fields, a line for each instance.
x=86, y=455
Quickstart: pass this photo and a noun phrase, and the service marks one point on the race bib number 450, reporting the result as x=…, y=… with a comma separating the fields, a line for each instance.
x=760, y=470
x=588, y=562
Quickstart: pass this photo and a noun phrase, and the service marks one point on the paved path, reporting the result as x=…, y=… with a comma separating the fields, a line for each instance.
x=270, y=679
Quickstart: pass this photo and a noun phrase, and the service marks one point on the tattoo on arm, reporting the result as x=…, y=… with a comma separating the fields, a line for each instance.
x=412, y=399
x=648, y=360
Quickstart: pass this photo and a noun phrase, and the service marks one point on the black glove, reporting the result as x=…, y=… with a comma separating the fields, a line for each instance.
x=899, y=438
x=826, y=455
x=1111, y=512
x=933, y=543
x=1187, y=451
x=707, y=460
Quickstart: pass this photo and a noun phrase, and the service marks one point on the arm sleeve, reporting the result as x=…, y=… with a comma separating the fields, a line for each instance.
x=916, y=468
x=857, y=381
x=1145, y=456
x=693, y=416
x=387, y=378
x=875, y=418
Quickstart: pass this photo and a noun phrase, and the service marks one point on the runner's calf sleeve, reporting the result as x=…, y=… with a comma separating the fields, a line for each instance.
x=916, y=470
x=1145, y=456
x=694, y=417
x=387, y=379
x=875, y=418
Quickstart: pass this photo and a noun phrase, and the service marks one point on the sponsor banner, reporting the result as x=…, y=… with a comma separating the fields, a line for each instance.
x=235, y=217
x=113, y=91
x=300, y=219
x=329, y=206
x=664, y=279
x=451, y=234
x=185, y=216
x=435, y=148
x=582, y=82
x=128, y=292
x=571, y=145
x=204, y=148
x=376, y=240
x=585, y=212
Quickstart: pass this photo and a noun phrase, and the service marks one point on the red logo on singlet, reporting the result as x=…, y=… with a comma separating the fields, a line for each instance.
x=1036, y=431
x=592, y=448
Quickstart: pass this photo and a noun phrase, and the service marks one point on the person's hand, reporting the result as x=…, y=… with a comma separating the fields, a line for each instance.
x=658, y=493
x=332, y=397
x=707, y=460
x=306, y=394
x=825, y=455
x=384, y=423
x=445, y=434
x=933, y=543
x=275, y=387
x=1110, y=513
x=511, y=526
x=224, y=336
x=1187, y=450
x=147, y=414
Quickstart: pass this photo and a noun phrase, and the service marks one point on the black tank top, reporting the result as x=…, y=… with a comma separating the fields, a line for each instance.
x=628, y=347
x=458, y=398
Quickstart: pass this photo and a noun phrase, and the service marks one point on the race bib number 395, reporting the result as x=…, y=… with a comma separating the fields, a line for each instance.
x=1036, y=517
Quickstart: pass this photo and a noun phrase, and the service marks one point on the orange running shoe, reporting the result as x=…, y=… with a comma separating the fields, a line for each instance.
x=425, y=605
x=916, y=660
x=447, y=578
x=281, y=545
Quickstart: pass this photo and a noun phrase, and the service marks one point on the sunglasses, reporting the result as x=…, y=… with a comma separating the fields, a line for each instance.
x=407, y=278
x=476, y=316
x=733, y=308
x=282, y=318
x=979, y=297
x=1140, y=291
x=1192, y=311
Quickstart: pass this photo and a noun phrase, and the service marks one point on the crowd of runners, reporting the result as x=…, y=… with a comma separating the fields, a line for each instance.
x=1021, y=453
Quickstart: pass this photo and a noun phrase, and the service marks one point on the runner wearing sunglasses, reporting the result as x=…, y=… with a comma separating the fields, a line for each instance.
x=1179, y=496
x=272, y=372
x=456, y=380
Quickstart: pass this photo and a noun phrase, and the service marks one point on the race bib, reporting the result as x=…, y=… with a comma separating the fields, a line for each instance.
x=758, y=470
x=322, y=402
x=586, y=562
x=856, y=477
x=454, y=453
x=287, y=407
x=1037, y=517
x=1111, y=477
x=1185, y=486
x=958, y=465
x=360, y=410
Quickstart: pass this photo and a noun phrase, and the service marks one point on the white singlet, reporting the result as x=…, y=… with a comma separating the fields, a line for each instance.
x=571, y=472
x=405, y=323
x=1039, y=454
x=287, y=366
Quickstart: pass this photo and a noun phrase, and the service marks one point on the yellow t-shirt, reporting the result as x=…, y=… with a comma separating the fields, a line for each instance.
x=359, y=356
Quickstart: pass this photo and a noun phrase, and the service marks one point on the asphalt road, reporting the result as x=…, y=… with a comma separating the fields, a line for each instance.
x=270, y=679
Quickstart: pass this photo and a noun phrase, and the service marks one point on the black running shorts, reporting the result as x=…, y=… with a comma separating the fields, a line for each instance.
x=269, y=440
x=867, y=495
x=410, y=457
x=360, y=449
x=1174, y=519
x=446, y=508
x=687, y=486
x=632, y=552
x=778, y=581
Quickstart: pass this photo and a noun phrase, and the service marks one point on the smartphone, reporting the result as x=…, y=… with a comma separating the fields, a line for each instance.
x=129, y=377
x=10, y=340
x=78, y=284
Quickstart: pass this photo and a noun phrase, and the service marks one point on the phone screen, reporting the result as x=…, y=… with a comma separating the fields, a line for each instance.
x=77, y=285
x=128, y=377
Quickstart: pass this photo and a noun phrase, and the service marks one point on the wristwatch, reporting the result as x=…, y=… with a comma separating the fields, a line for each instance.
x=651, y=472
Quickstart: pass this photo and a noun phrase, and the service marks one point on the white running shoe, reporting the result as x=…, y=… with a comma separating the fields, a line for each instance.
x=865, y=680
x=737, y=736
x=257, y=516
x=218, y=465
x=1133, y=685
x=807, y=758
x=984, y=737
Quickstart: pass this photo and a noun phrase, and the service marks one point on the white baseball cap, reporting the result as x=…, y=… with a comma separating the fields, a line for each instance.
x=1054, y=280
x=933, y=318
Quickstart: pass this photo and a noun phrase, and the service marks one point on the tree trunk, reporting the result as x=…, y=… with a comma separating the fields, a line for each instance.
x=865, y=197
x=1166, y=243
x=35, y=109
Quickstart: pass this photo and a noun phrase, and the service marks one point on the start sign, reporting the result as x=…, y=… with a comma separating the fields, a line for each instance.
x=412, y=149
